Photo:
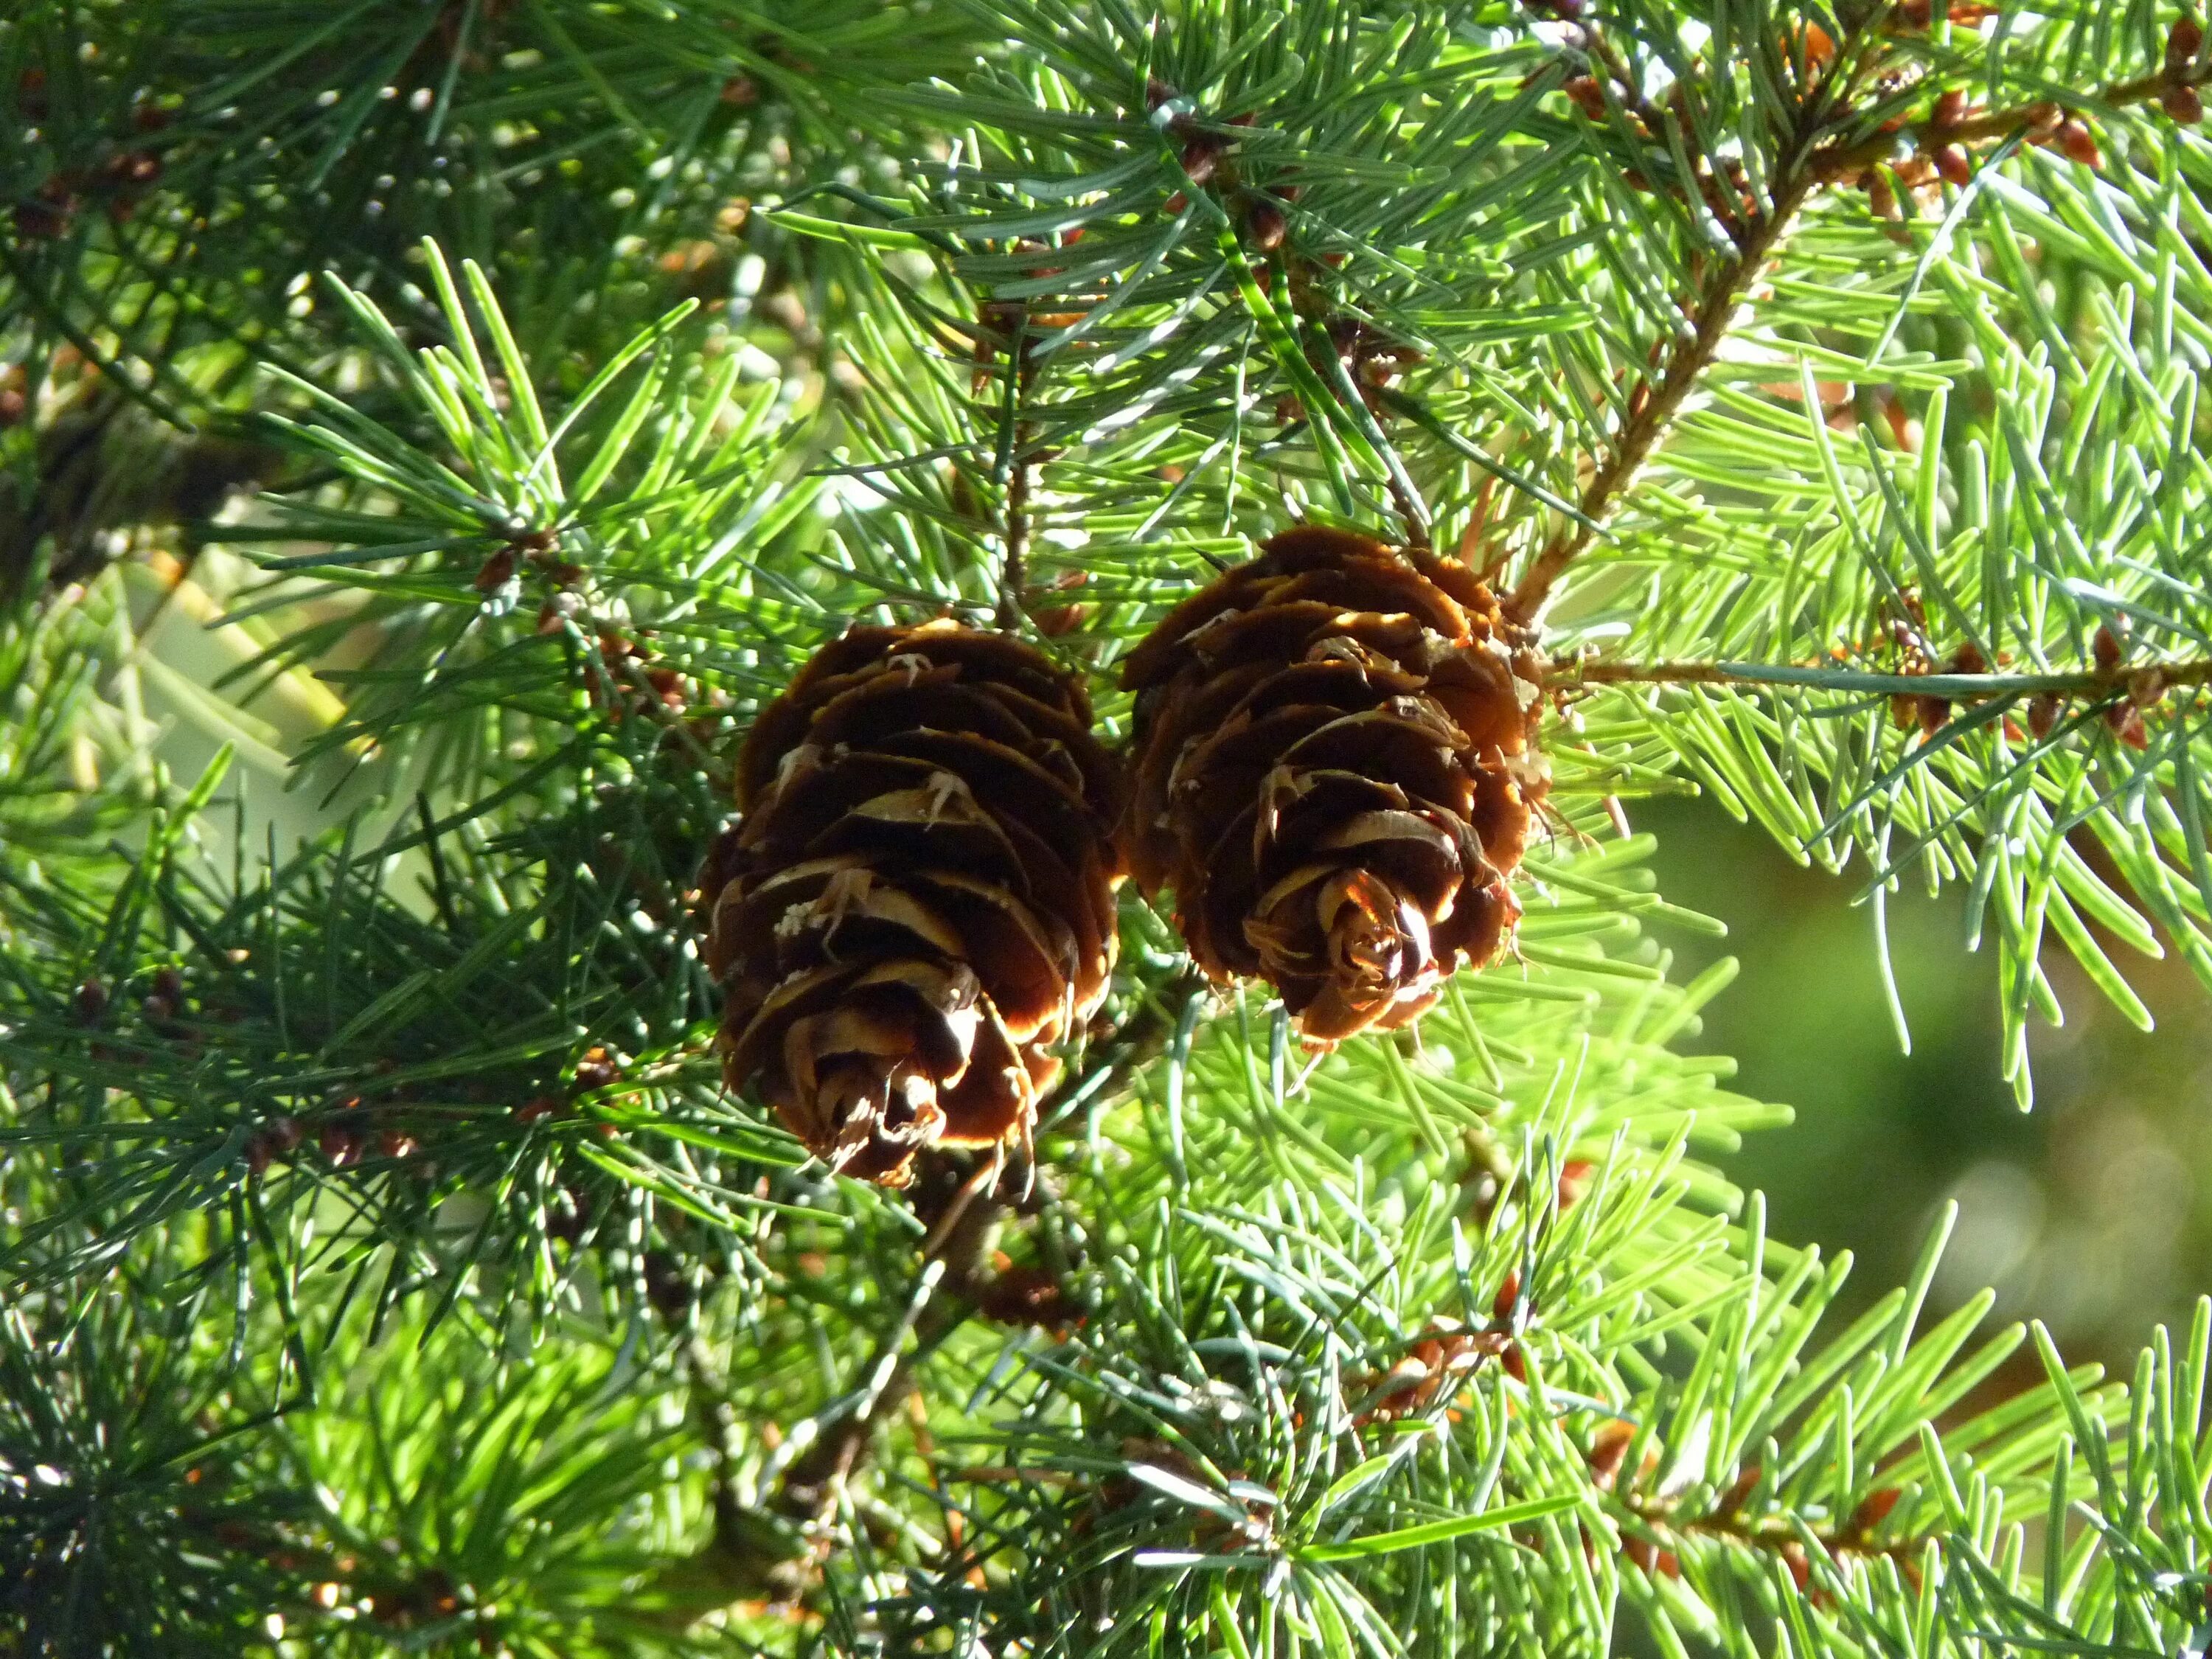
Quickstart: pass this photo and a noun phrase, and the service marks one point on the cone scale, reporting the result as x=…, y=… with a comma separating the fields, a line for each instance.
x=918, y=901
x=1334, y=769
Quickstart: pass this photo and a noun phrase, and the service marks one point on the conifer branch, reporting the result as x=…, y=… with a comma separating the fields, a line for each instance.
x=2143, y=681
x=1714, y=309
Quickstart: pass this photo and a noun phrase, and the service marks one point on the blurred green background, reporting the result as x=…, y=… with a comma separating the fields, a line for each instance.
x=2091, y=1212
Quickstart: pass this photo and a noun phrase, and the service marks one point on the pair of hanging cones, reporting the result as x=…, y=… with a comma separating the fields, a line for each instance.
x=1332, y=767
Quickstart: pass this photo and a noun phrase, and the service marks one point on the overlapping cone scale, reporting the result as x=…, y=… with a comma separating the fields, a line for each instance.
x=1335, y=770
x=918, y=901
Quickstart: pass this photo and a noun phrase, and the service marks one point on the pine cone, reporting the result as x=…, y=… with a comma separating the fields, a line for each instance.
x=1335, y=768
x=919, y=897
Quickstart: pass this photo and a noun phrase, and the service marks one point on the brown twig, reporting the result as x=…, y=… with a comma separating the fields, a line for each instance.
x=1987, y=126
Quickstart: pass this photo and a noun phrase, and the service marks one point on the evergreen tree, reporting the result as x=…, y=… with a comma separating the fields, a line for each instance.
x=462, y=419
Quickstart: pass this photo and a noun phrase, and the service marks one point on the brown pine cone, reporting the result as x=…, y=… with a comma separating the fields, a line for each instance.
x=1335, y=768
x=920, y=898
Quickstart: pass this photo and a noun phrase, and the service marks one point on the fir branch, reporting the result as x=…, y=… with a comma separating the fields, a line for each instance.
x=2143, y=681
x=1652, y=407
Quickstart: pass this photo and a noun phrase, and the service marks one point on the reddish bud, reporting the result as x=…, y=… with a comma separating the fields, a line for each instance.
x=1801, y=1569
x=1267, y=225
x=1953, y=163
x=2107, y=648
x=91, y=1002
x=2183, y=42
x=1881, y=198
x=1026, y=1296
x=1575, y=1178
x=537, y=1107
x=1874, y=1509
x=2183, y=105
x=2042, y=714
x=498, y=570
x=1950, y=109
x=1739, y=1492
x=284, y=1133
x=1507, y=1299
x=1609, y=1451
x=1584, y=93
x=1200, y=156
x=1516, y=1363
x=168, y=984
x=2125, y=722
x=340, y=1143
x=2079, y=143
x=596, y=1070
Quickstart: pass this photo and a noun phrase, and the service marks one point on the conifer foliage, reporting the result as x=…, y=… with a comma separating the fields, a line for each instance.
x=595, y=594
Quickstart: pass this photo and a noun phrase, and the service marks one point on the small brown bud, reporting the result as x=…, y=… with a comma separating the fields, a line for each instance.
x=341, y=1144
x=284, y=1133
x=1267, y=225
x=2079, y=143
x=1881, y=198
x=1953, y=163
x=2183, y=105
x=1200, y=156
x=1508, y=1297
x=2183, y=42
x=2125, y=721
x=1607, y=1452
x=91, y=1002
x=498, y=570
x=1950, y=109
x=2042, y=714
x=1873, y=1511
x=537, y=1107
x=596, y=1070
x=2044, y=118
x=1575, y=1178
x=2108, y=648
